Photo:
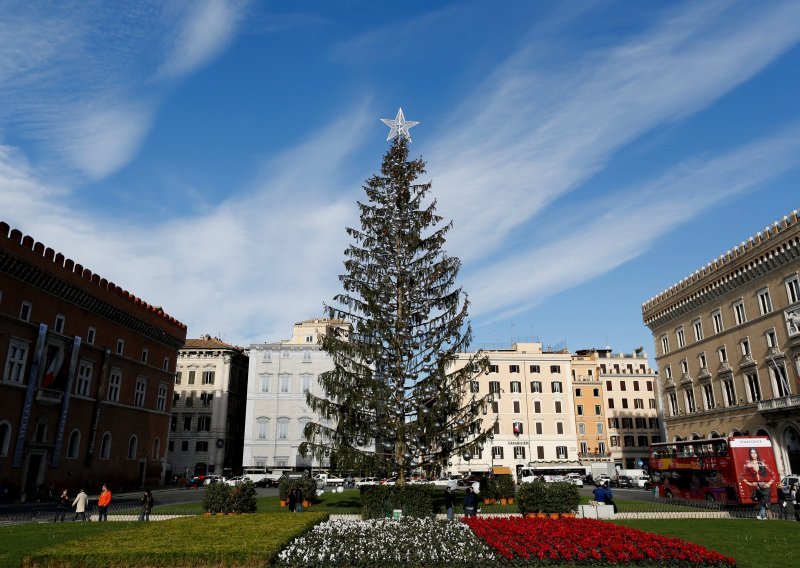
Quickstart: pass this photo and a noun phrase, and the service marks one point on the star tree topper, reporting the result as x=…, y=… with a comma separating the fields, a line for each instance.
x=399, y=126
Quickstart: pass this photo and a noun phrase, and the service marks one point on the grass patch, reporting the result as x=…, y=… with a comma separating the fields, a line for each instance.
x=17, y=541
x=230, y=540
x=752, y=543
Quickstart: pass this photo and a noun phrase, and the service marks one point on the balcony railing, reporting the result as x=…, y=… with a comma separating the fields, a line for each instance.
x=779, y=403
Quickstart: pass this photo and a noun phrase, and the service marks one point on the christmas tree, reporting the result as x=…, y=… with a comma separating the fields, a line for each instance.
x=397, y=399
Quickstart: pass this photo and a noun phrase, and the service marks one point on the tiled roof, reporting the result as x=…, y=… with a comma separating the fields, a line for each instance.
x=208, y=342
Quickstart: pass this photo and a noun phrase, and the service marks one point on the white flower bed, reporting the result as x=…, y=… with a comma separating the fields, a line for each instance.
x=385, y=542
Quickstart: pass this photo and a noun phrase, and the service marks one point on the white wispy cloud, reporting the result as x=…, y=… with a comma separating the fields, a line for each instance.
x=621, y=227
x=83, y=83
x=531, y=134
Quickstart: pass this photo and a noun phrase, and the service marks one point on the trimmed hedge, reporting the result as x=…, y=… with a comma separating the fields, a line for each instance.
x=379, y=501
x=222, y=498
x=540, y=497
x=505, y=487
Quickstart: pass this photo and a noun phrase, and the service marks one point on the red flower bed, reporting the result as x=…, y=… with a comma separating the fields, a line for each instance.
x=587, y=541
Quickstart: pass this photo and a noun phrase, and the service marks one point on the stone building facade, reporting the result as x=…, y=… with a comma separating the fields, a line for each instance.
x=87, y=378
x=727, y=343
x=279, y=376
x=208, y=410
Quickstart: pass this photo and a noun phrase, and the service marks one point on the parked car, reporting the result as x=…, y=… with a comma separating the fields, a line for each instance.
x=790, y=480
x=642, y=481
x=235, y=480
x=574, y=478
x=623, y=481
x=601, y=479
x=446, y=480
x=212, y=479
x=368, y=481
x=388, y=481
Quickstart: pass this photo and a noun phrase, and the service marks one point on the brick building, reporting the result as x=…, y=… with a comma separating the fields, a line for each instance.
x=87, y=375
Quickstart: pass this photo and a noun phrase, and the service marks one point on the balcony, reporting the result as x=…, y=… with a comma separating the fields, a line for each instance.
x=786, y=405
x=48, y=397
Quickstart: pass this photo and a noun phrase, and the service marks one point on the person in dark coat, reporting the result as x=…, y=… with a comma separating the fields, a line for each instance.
x=470, y=503
x=609, y=496
x=147, y=505
x=599, y=493
x=449, y=502
x=292, y=500
x=61, y=506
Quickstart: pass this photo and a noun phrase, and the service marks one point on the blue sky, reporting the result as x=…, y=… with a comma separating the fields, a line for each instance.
x=207, y=156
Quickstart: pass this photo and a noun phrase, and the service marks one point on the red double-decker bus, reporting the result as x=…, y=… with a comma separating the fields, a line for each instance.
x=727, y=470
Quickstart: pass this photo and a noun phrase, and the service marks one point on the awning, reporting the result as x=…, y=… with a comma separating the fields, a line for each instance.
x=501, y=470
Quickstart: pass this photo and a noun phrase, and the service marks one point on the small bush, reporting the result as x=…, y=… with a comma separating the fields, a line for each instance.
x=505, y=488
x=378, y=501
x=216, y=498
x=243, y=498
x=488, y=487
x=540, y=497
x=307, y=485
x=563, y=497
x=531, y=497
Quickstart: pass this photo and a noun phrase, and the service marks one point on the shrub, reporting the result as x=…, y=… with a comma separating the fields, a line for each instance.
x=378, y=501
x=562, y=497
x=243, y=498
x=531, y=497
x=216, y=498
x=488, y=487
x=504, y=487
x=307, y=485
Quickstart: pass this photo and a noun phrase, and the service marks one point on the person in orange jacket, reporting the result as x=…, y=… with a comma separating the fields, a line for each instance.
x=102, y=503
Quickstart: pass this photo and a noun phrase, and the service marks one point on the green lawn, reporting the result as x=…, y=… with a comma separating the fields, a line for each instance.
x=753, y=543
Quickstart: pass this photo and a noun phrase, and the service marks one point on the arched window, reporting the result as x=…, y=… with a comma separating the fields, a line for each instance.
x=73, y=447
x=105, y=446
x=133, y=444
x=5, y=438
x=762, y=432
x=156, y=449
x=714, y=434
x=735, y=433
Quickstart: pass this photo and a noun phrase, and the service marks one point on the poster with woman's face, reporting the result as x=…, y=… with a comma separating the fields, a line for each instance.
x=756, y=469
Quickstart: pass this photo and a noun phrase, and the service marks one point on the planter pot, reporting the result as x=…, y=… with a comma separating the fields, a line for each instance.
x=306, y=504
x=510, y=501
x=567, y=515
x=553, y=515
x=531, y=515
x=504, y=501
x=206, y=514
x=284, y=502
x=541, y=515
x=487, y=501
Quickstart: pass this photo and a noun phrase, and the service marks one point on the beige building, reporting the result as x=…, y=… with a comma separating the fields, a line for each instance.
x=589, y=408
x=728, y=344
x=279, y=376
x=533, y=409
x=208, y=408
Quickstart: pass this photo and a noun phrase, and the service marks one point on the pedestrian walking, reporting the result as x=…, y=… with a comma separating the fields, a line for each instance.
x=147, y=505
x=80, y=503
x=103, y=503
x=61, y=506
x=449, y=502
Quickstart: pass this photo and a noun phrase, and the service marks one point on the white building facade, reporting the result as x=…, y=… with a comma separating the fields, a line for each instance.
x=279, y=377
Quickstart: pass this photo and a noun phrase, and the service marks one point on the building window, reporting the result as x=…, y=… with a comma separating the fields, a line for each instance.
x=516, y=407
x=680, y=337
x=738, y=313
x=579, y=410
x=697, y=325
x=161, y=400
x=779, y=380
x=105, y=447
x=496, y=427
x=114, y=384
x=139, y=393
x=284, y=383
x=133, y=446
x=642, y=441
x=638, y=403
x=611, y=403
x=187, y=423
x=494, y=387
x=495, y=407
x=556, y=386
x=685, y=367
x=474, y=386
x=203, y=423
x=15, y=363
x=540, y=452
x=283, y=429
x=651, y=403
x=535, y=369
x=200, y=447
x=636, y=385
x=581, y=428
x=145, y=352
x=309, y=339
x=624, y=403
x=306, y=356
x=84, y=381
x=771, y=338
x=208, y=377
x=191, y=377
x=25, y=311
x=716, y=318
x=517, y=428
x=516, y=386
x=185, y=446
x=701, y=359
x=58, y=327
x=708, y=397
x=73, y=447
x=730, y=392
x=599, y=426
x=263, y=424
x=494, y=369
x=559, y=427
x=628, y=441
x=627, y=422
x=206, y=398
x=622, y=386
x=673, y=403
x=536, y=386
x=578, y=392
x=189, y=402
x=653, y=423
x=664, y=344
x=539, y=428
x=306, y=380
x=561, y=452
x=171, y=446
x=120, y=346
x=793, y=289
x=265, y=382
x=609, y=386
x=156, y=455
x=91, y=333
x=173, y=423
x=165, y=364
x=5, y=438
x=519, y=452
x=497, y=452
x=690, y=404
x=555, y=368
x=513, y=368
x=745, y=345
x=615, y=441
x=558, y=407
x=178, y=377
x=764, y=301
